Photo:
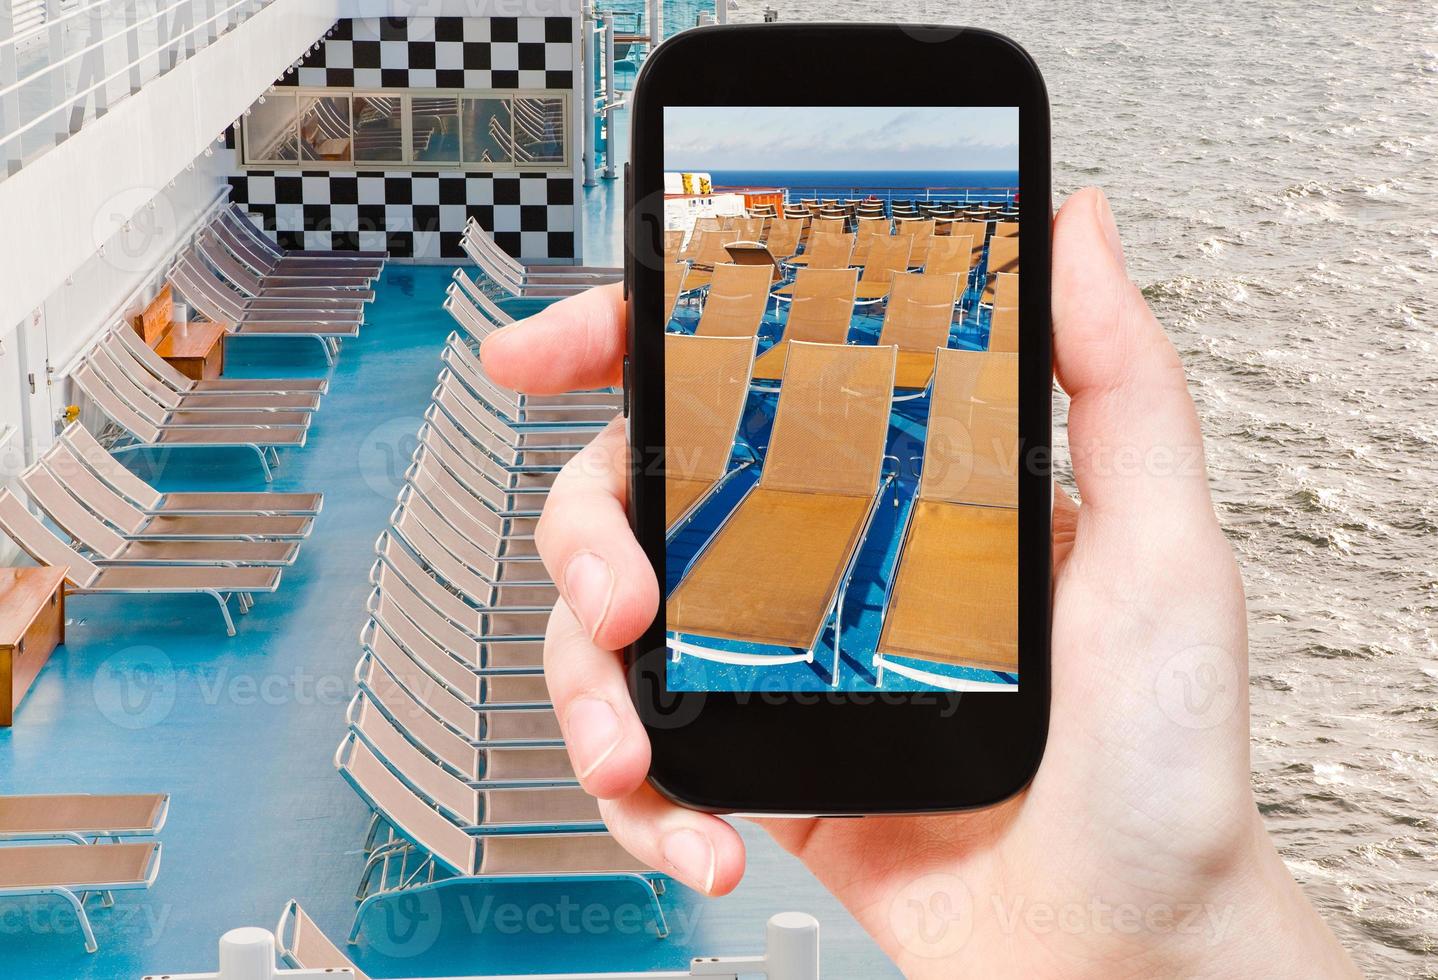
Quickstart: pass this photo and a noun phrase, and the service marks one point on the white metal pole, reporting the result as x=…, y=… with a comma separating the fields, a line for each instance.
x=588, y=53
x=721, y=11
x=247, y=954
x=656, y=23
x=792, y=943
x=611, y=96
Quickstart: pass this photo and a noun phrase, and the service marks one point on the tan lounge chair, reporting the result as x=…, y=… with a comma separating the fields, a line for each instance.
x=264, y=442
x=920, y=231
x=446, y=854
x=888, y=257
x=706, y=382
x=1003, y=258
x=783, y=238
x=954, y=596
x=204, y=401
x=820, y=312
x=132, y=522
x=775, y=573
x=152, y=501
x=82, y=818
x=735, y=304
x=917, y=321
x=74, y=872
x=833, y=250
x=302, y=946
x=87, y=578
x=166, y=372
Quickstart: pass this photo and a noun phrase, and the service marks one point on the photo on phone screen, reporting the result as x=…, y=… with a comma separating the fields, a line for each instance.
x=841, y=398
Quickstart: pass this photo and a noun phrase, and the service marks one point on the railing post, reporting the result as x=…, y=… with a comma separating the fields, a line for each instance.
x=721, y=11
x=9, y=75
x=587, y=50
x=792, y=943
x=91, y=73
x=247, y=954
x=132, y=44
x=611, y=96
x=58, y=95
x=656, y=23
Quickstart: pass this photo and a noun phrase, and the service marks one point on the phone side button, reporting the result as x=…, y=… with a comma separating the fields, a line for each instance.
x=626, y=385
x=631, y=230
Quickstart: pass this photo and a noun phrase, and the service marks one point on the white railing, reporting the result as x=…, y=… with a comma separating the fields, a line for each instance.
x=67, y=68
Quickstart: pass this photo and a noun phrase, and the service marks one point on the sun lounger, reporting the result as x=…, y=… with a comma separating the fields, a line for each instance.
x=528, y=450
x=1004, y=318
x=776, y=571
x=917, y=320
x=313, y=268
x=263, y=441
x=920, y=231
x=824, y=251
x=87, y=578
x=706, y=381
x=820, y=312
x=161, y=414
x=331, y=306
x=888, y=257
x=432, y=852
x=520, y=280
x=709, y=253
x=118, y=358
x=735, y=304
x=1003, y=258
x=300, y=289
x=106, y=546
x=166, y=372
x=302, y=946
x=954, y=595
x=237, y=219
x=74, y=872
x=133, y=522
x=467, y=612
x=82, y=818
x=674, y=273
x=475, y=520
x=152, y=501
x=448, y=438
x=950, y=255
x=783, y=237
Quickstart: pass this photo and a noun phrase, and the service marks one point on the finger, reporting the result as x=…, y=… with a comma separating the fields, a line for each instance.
x=585, y=541
x=572, y=345
x=699, y=849
x=1133, y=431
x=606, y=741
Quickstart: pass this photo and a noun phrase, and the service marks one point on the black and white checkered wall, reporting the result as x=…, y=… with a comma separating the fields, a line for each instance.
x=421, y=214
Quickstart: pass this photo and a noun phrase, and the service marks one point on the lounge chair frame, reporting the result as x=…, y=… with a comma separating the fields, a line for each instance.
x=77, y=897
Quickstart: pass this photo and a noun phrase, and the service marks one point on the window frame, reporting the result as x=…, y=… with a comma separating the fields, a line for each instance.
x=408, y=161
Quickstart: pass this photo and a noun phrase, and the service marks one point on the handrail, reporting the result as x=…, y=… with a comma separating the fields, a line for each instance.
x=209, y=21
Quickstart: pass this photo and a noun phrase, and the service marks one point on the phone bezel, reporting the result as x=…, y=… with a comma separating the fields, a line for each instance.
x=841, y=753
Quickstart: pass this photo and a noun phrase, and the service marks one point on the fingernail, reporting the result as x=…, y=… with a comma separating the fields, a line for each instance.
x=1110, y=228
x=691, y=856
x=588, y=588
x=592, y=730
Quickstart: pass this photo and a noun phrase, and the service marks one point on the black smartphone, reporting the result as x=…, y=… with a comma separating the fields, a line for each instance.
x=839, y=410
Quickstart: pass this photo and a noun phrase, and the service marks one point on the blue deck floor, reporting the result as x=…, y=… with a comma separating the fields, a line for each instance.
x=149, y=694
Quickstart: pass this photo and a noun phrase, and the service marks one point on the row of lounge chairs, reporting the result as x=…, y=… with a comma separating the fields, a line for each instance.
x=452, y=739
x=514, y=279
x=75, y=846
x=952, y=596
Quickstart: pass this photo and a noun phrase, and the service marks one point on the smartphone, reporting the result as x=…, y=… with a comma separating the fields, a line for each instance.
x=838, y=402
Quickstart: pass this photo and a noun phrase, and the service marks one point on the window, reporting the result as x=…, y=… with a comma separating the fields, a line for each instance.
x=316, y=128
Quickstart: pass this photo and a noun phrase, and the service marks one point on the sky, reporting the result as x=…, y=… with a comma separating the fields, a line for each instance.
x=840, y=138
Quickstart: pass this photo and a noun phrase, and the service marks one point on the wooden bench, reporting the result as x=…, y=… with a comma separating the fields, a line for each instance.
x=32, y=625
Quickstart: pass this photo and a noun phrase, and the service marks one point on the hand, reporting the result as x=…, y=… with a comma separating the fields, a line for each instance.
x=1137, y=850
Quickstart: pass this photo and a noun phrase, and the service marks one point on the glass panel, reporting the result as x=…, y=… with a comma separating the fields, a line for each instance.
x=270, y=130
x=539, y=130
x=434, y=125
x=325, y=127
x=379, y=129
x=486, y=131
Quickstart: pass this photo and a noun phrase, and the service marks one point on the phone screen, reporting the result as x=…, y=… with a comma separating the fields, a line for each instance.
x=841, y=398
